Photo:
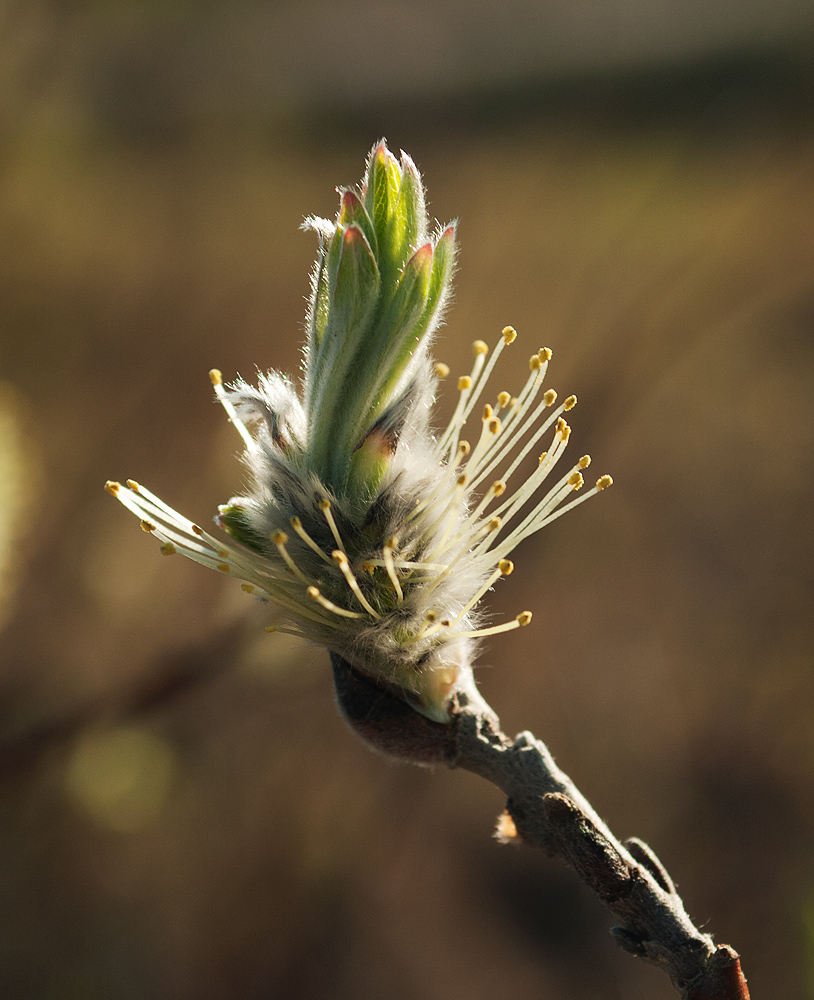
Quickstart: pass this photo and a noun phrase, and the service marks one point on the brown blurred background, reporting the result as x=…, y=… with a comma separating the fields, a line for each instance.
x=182, y=813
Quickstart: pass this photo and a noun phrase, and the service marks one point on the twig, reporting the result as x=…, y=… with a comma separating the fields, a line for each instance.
x=549, y=811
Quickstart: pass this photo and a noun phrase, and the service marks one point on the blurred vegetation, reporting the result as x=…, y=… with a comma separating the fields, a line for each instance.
x=184, y=815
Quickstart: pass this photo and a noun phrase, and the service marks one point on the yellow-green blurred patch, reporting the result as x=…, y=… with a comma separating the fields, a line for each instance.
x=14, y=475
x=122, y=777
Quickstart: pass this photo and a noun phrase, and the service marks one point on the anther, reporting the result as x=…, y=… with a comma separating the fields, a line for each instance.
x=461, y=481
x=550, y=397
x=487, y=412
x=113, y=488
x=249, y=588
x=535, y=364
x=542, y=457
x=147, y=526
x=570, y=403
x=498, y=487
x=506, y=566
x=223, y=567
x=215, y=377
x=576, y=481
x=197, y=529
x=504, y=399
x=441, y=370
x=464, y=382
x=604, y=482
x=494, y=425
x=479, y=347
x=494, y=524
x=133, y=485
x=168, y=549
x=524, y=618
x=463, y=449
x=584, y=462
x=509, y=334
x=544, y=354
x=279, y=537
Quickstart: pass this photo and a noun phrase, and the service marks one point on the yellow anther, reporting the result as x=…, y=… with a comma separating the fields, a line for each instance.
x=367, y=567
x=461, y=480
x=487, y=412
x=561, y=425
x=147, y=526
x=430, y=616
x=463, y=448
x=576, y=481
x=313, y=593
x=168, y=549
x=498, y=487
x=604, y=482
x=113, y=488
x=550, y=397
x=480, y=347
x=464, y=382
x=215, y=377
x=494, y=524
x=543, y=457
x=506, y=566
x=223, y=553
x=504, y=399
x=339, y=557
x=544, y=354
x=441, y=370
x=295, y=523
x=249, y=588
x=279, y=537
x=570, y=403
x=325, y=504
x=270, y=628
x=223, y=567
x=535, y=364
x=509, y=334
x=494, y=425
x=524, y=618
x=197, y=529
x=133, y=485
x=584, y=462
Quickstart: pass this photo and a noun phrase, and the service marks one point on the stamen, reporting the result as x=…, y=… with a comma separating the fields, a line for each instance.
x=441, y=370
x=322, y=601
x=296, y=524
x=147, y=526
x=504, y=568
x=341, y=561
x=168, y=549
x=325, y=507
x=288, y=631
x=522, y=619
x=280, y=538
x=390, y=566
x=604, y=482
x=216, y=378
